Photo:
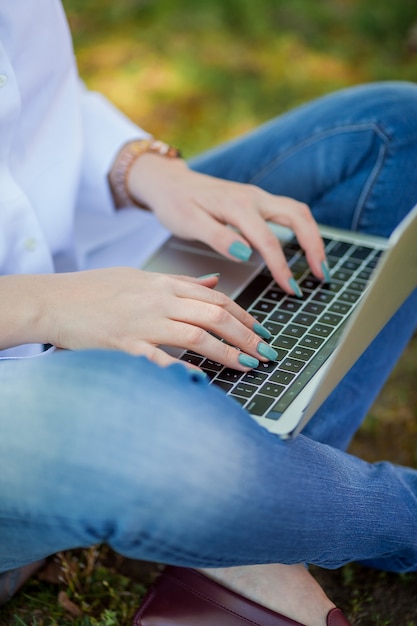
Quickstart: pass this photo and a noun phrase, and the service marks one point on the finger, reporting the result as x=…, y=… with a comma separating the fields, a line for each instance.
x=239, y=210
x=161, y=358
x=255, y=230
x=294, y=215
x=153, y=353
x=216, y=298
x=200, y=317
x=208, y=280
x=219, y=236
x=198, y=340
x=298, y=217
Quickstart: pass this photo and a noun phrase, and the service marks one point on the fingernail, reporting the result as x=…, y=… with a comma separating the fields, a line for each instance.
x=248, y=361
x=267, y=351
x=261, y=331
x=214, y=275
x=326, y=272
x=240, y=251
x=295, y=287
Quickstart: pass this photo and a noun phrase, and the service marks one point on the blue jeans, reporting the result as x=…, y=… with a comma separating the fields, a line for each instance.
x=100, y=446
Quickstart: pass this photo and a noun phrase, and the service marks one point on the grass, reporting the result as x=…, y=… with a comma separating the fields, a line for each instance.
x=195, y=74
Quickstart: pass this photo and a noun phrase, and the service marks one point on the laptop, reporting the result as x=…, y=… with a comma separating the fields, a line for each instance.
x=319, y=337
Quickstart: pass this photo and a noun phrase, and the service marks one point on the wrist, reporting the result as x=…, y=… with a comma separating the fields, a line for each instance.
x=119, y=177
x=24, y=321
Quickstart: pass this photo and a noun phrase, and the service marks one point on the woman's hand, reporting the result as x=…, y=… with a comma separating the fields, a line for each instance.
x=136, y=312
x=197, y=206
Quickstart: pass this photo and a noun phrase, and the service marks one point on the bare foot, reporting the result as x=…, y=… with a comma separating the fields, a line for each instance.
x=286, y=589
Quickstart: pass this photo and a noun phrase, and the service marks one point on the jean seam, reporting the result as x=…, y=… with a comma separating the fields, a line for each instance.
x=312, y=139
x=367, y=188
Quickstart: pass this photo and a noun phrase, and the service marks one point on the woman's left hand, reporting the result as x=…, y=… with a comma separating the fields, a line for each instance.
x=196, y=206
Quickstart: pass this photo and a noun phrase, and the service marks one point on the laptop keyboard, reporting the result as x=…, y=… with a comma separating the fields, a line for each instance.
x=304, y=330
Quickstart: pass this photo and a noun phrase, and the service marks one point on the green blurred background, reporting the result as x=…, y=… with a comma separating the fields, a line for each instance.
x=196, y=72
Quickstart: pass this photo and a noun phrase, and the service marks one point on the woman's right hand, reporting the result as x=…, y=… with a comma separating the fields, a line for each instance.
x=137, y=312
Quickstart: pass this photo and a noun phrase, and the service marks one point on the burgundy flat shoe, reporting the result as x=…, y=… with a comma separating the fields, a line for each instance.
x=185, y=597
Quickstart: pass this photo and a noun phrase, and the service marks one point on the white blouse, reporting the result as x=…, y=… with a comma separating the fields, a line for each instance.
x=57, y=143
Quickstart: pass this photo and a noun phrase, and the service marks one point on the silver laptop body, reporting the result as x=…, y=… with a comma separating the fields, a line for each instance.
x=390, y=283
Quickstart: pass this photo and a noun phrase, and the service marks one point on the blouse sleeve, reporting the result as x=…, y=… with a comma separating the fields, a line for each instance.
x=105, y=130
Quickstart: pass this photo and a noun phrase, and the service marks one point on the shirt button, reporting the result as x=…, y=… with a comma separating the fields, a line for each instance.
x=3, y=80
x=30, y=244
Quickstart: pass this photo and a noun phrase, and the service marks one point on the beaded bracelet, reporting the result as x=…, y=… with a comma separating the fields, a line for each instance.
x=123, y=163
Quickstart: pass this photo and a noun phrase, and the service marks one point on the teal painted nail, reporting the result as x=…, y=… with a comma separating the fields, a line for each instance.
x=261, y=331
x=248, y=361
x=267, y=351
x=325, y=270
x=214, y=275
x=240, y=251
x=295, y=287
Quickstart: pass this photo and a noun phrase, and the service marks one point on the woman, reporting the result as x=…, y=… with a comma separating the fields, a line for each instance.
x=100, y=442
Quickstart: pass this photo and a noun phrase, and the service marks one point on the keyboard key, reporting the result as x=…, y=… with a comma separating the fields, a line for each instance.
x=340, y=307
x=361, y=252
x=264, y=306
x=290, y=248
x=339, y=249
x=253, y=290
x=290, y=305
x=260, y=317
x=322, y=330
x=305, y=319
x=314, y=307
x=210, y=374
x=222, y=385
x=310, y=283
x=357, y=285
x=208, y=364
x=311, y=341
x=259, y=405
x=194, y=359
x=230, y=375
x=350, y=296
x=273, y=327
x=267, y=366
x=334, y=286
x=299, y=266
x=293, y=330
x=351, y=264
x=280, y=316
x=342, y=275
x=244, y=390
x=275, y=294
x=292, y=365
x=281, y=354
x=283, y=341
x=373, y=263
x=301, y=353
x=365, y=274
x=255, y=378
x=323, y=296
x=282, y=377
x=330, y=318
x=272, y=389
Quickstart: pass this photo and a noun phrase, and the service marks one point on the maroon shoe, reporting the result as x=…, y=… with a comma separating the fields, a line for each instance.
x=184, y=597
